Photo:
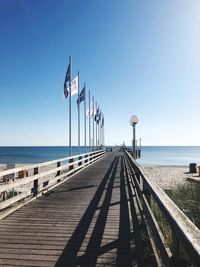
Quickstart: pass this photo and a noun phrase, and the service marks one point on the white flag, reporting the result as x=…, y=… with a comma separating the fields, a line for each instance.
x=92, y=111
x=74, y=87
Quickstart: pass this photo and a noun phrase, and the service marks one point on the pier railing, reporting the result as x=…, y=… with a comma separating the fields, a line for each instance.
x=180, y=243
x=22, y=184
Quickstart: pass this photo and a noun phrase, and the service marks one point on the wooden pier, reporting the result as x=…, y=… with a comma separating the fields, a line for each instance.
x=92, y=219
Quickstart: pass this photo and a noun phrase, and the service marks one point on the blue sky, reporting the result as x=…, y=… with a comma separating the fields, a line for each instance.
x=137, y=57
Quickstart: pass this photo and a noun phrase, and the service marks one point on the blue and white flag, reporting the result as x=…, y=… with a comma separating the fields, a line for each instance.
x=81, y=96
x=67, y=79
x=97, y=116
x=74, y=87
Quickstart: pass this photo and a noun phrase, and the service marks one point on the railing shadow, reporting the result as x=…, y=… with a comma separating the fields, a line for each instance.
x=128, y=245
x=124, y=236
x=94, y=245
x=69, y=255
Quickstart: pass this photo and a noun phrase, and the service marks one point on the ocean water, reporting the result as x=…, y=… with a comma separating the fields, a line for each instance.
x=151, y=155
x=37, y=154
x=170, y=155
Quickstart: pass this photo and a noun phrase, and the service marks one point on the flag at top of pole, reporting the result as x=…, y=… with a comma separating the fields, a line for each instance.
x=67, y=79
x=102, y=120
x=81, y=97
x=68, y=92
x=74, y=86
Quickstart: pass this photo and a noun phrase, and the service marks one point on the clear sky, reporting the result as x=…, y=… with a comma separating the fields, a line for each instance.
x=137, y=57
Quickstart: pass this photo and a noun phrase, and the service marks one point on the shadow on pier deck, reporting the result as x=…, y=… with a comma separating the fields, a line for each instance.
x=90, y=220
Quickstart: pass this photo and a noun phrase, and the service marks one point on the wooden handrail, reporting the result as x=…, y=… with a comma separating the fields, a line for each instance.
x=44, y=164
x=69, y=168
x=184, y=231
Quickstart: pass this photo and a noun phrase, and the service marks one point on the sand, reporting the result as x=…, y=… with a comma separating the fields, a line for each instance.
x=169, y=177
x=11, y=166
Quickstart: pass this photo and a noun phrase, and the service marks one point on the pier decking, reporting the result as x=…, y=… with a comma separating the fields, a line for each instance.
x=86, y=221
x=100, y=210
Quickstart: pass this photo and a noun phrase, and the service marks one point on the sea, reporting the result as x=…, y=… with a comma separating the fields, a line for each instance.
x=150, y=155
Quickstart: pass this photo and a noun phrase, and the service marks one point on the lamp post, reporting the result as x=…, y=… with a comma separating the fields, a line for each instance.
x=133, y=121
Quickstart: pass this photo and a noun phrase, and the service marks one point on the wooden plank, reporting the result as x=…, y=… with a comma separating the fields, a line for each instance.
x=76, y=222
x=187, y=233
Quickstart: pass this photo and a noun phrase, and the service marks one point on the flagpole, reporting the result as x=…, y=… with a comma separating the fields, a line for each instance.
x=99, y=125
x=89, y=120
x=96, y=125
x=93, y=120
x=103, y=131
x=70, y=80
x=102, y=136
x=85, y=113
x=78, y=113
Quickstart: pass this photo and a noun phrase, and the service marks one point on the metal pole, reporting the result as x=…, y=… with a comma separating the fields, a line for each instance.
x=89, y=121
x=103, y=131
x=85, y=114
x=134, y=142
x=100, y=131
x=70, y=81
x=93, y=119
x=103, y=135
x=99, y=126
x=96, y=126
x=78, y=113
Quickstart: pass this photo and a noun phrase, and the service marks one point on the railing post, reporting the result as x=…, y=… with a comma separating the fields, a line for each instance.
x=35, y=182
x=80, y=163
x=175, y=248
x=93, y=156
x=139, y=179
x=58, y=172
x=86, y=160
x=147, y=193
x=72, y=166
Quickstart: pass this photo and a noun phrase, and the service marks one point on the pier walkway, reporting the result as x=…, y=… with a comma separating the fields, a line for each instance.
x=94, y=209
x=86, y=221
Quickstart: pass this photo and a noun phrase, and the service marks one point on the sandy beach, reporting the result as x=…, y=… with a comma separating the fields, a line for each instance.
x=169, y=177
x=11, y=166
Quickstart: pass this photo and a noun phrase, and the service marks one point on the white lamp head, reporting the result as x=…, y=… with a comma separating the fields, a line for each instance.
x=134, y=120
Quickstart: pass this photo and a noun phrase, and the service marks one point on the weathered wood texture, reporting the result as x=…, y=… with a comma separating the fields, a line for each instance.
x=86, y=221
x=41, y=180
x=185, y=236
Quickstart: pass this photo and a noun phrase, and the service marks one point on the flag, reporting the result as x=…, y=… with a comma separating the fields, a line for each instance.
x=74, y=87
x=102, y=120
x=97, y=116
x=67, y=79
x=91, y=111
x=81, y=96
